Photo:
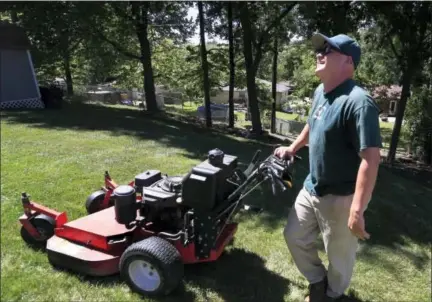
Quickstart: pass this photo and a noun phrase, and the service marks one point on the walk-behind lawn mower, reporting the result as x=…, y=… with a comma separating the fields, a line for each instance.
x=149, y=229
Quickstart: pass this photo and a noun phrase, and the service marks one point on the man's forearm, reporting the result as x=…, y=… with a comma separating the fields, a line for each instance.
x=302, y=139
x=366, y=179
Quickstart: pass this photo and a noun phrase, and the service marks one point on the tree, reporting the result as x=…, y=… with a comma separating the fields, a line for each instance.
x=129, y=28
x=179, y=67
x=204, y=65
x=274, y=80
x=255, y=44
x=231, y=64
x=418, y=119
x=378, y=65
x=299, y=61
x=283, y=33
x=222, y=20
x=329, y=18
x=406, y=27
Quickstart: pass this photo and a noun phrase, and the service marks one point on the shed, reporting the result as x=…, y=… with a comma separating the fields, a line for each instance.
x=19, y=87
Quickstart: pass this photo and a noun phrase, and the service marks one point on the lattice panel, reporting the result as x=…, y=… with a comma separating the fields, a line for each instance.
x=26, y=103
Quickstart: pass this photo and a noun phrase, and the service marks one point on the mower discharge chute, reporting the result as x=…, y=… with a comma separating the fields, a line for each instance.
x=149, y=229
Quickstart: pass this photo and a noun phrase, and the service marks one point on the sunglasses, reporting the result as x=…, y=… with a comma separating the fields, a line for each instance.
x=326, y=50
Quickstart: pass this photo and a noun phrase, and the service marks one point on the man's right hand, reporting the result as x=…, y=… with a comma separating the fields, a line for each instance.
x=284, y=152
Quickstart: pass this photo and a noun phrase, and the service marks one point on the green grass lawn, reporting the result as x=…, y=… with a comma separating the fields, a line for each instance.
x=59, y=157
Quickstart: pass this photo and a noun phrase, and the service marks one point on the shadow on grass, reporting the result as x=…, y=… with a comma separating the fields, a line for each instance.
x=400, y=207
x=238, y=275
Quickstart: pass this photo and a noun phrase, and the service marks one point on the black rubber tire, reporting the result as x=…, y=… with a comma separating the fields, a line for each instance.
x=163, y=256
x=43, y=224
x=94, y=202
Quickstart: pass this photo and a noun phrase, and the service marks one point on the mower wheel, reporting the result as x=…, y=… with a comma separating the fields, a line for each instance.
x=94, y=202
x=44, y=225
x=152, y=267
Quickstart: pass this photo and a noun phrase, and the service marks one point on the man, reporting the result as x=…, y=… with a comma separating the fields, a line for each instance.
x=344, y=140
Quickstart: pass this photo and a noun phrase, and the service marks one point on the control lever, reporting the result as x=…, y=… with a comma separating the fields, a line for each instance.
x=275, y=179
x=291, y=160
x=273, y=183
x=281, y=184
x=253, y=164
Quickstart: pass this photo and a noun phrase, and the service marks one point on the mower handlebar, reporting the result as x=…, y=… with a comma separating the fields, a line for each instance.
x=273, y=168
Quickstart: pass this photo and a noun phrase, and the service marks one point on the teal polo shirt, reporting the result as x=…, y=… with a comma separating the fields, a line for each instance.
x=342, y=122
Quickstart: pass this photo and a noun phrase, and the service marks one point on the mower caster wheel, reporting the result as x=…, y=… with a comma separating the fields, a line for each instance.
x=44, y=225
x=151, y=267
x=94, y=202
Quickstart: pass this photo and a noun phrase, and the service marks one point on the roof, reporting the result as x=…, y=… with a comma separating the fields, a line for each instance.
x=390, y=92
x=13, y=37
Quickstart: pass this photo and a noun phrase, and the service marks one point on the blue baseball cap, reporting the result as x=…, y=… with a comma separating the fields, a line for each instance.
x=342, y=43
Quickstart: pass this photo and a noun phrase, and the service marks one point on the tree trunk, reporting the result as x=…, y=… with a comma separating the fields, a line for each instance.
x=232, y=67
x=426, y=132
x=14, y=16
x=429, y=125
x=273, y=112
x=428, y=148
x=140, y=11
x=204, y=65
x=400, y=111
x=68, y=73
x=250, y=70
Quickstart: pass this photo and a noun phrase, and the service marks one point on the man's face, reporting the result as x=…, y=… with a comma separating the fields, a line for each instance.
x=330, y=61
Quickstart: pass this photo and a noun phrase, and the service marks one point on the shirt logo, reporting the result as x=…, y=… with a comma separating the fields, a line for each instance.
x=318, y=113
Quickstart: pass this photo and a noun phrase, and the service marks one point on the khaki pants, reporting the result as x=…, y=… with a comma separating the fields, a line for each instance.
x=328, y=214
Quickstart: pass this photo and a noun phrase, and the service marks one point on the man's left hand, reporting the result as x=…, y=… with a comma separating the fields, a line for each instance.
x=356, y=224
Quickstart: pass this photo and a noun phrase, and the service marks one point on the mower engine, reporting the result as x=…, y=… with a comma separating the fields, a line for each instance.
x=166, y=200
x=158, y=201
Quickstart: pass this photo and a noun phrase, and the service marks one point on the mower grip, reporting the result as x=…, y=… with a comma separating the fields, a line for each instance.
x=290, y=159
x=287, y=159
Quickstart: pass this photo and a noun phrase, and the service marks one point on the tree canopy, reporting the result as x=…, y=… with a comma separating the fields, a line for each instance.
x=144, y=44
